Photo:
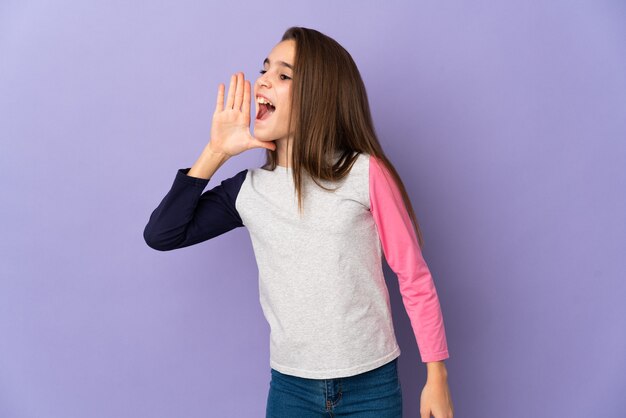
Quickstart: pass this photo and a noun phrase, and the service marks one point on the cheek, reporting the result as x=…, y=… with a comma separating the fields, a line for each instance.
x=285, y=111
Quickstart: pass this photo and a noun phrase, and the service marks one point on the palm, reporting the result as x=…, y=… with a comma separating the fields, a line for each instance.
x=230, y=129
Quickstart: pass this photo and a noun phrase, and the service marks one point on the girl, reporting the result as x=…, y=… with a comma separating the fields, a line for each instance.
x=321, y=213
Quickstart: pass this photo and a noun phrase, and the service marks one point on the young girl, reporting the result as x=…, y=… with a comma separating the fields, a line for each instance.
x=321, y=213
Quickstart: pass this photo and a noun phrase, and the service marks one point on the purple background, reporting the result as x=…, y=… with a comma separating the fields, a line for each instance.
x=506, y=120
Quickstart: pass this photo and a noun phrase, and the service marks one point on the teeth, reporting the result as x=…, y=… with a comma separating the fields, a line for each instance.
x=263, y=101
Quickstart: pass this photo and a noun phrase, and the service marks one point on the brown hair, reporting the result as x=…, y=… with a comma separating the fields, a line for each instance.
x=330, y=113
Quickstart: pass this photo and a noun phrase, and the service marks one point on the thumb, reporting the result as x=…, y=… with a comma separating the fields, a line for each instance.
x=255, y=143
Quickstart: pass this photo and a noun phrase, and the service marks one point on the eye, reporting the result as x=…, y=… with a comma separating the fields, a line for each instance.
x=282, y=76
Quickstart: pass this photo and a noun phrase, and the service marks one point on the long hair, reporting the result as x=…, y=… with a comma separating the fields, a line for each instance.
x=330, y=114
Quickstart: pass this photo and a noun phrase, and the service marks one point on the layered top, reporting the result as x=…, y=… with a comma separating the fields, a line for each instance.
x=321, y=283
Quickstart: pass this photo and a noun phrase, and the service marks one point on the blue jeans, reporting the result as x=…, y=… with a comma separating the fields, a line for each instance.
x=374, y=394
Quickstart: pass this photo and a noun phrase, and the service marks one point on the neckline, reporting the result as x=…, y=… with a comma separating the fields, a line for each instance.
x=284, y=168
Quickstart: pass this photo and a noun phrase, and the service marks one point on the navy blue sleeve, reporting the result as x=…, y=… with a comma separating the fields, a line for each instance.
x=186, y=217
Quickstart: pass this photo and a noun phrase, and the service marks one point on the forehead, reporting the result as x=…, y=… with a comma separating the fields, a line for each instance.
x=283, y=51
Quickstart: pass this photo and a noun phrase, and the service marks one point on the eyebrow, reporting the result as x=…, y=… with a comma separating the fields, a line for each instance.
x=283, y=63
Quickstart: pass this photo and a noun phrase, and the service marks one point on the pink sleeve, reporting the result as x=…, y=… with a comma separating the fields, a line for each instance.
x=404, y=256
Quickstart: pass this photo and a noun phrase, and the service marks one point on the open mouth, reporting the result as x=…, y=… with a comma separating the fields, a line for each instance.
x=266, y=108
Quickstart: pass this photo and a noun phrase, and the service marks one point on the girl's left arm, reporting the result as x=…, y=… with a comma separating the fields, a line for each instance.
x=419, y=295
x=404, y=256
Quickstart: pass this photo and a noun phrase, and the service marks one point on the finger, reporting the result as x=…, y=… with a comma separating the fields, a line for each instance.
x=231, y=92
x=219, y=106
x=246, y=99
x=239, y=91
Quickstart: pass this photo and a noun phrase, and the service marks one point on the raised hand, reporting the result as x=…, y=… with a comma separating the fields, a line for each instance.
x=230, y=129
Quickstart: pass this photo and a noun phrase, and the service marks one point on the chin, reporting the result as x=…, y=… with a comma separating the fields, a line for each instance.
x=263, y=137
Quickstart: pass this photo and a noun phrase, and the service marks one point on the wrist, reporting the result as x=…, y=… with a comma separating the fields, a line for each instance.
x=436, y=371
x=215, y=154
x=210, y=149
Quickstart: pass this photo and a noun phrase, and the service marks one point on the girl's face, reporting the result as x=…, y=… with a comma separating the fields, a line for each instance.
x=274, y=85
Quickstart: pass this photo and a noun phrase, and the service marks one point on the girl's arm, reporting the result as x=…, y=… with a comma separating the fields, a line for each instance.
x=419, y=295
x=404, y=256
x=186, y=217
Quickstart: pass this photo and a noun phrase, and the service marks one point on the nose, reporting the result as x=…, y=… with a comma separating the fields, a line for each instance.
x=264, y=81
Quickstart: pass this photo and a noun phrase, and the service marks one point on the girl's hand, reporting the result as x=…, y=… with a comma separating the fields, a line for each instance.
x=436, y=400
x=230, y=129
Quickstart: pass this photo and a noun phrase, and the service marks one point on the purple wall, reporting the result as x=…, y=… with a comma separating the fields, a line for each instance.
x=506, y=119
